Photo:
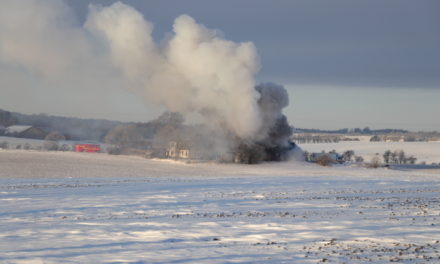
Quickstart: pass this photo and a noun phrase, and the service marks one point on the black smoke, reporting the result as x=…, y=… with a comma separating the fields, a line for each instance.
x=273, y=142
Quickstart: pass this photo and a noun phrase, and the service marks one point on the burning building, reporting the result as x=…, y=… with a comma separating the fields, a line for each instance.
x=194, y=70
x=205, y=142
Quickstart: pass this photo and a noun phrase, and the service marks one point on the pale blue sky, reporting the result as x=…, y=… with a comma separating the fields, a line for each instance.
x=348, y=107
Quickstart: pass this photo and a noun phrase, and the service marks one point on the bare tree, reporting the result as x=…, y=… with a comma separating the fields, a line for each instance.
x=4, y=145
x=411, y=160
x=375, y=138
x=123, y=136
x=306, y=155
x=55, y=136
x=375, y=162
x=394, y=157
x=347, y=155
x=401, y=156
x=50, y=145
x=6, y=118
x=387, y=156
x=358, y=159
x=325, y=160
x=51, y=141
x=64, y=147
x=249, y=154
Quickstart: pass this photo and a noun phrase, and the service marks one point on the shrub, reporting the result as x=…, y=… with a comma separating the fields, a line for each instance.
x=347, y=155
x=114, y=150
x=55, y=136
x=4, y=145
x=50, y=145
x=324, y=160
x=27, y=146
x=358, y=159
x=375, y=138
x=375, y=162
x=64, y=147
x=124, y=136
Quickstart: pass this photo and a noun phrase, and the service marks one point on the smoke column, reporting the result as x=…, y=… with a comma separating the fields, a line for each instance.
x=196, y=70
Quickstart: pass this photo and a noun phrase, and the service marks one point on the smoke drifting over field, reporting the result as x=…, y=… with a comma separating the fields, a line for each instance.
x=194, y=70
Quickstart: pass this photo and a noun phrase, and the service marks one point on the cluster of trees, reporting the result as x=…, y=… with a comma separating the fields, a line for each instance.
x=409, y=137
x=365, y=131
x=397, y=157
x=5, y=145
x=311, y=138
x=6, y=118
x=389, y=157
x=392, y=157
x=327, y=158
x=349, y=156
x=72, y=128
x=51, y=142
x=145, y=135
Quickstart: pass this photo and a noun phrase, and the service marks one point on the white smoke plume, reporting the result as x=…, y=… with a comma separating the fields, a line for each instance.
x=195, y=70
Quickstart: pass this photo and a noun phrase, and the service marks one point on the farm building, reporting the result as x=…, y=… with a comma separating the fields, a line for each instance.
x=185, y=150
x=177, y=150
x=314, y=157
x=25, y=132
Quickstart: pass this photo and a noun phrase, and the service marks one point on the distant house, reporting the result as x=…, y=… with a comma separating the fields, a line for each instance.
x=184, y=150
x=314, y=157
x=177, y=150
x=25, y=132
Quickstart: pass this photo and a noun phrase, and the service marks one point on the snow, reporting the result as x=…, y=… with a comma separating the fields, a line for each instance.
x=17, y=129
x=13, y=141
x=423, y=151
x=64, y=207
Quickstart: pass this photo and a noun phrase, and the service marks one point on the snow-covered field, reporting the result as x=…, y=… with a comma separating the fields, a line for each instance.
x=13, y=142
x=95, y=208
x=428, y=152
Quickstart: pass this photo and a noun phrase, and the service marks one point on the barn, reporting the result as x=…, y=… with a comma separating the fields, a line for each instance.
x=21, y=131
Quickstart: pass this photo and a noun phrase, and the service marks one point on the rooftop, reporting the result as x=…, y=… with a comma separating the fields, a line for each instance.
x=17, y=129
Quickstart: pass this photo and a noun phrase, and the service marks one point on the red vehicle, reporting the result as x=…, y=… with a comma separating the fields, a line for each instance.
x=87, y=148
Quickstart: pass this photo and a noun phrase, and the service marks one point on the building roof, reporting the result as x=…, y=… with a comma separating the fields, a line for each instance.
x=17, y=129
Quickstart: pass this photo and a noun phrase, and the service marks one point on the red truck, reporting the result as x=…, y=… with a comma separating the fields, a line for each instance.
x=87, y=148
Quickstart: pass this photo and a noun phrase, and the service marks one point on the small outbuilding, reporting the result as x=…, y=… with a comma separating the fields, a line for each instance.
x=333, y=156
